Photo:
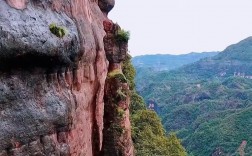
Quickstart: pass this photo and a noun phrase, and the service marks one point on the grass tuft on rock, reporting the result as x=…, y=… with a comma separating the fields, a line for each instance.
x=117, y=74
x=57, y=30
x=122, y=36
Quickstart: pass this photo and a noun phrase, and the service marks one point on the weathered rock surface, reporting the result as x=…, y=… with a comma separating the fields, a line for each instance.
x=106, y=5
x=52, y=89
x=117, y=131
x=115, y=51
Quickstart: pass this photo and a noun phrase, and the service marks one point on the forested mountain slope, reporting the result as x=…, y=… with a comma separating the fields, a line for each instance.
x=148, y=65
x=148, y=134
x=208, y=103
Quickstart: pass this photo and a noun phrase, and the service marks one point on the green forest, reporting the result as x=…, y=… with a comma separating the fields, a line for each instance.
x=208, y=103
x=148, y=134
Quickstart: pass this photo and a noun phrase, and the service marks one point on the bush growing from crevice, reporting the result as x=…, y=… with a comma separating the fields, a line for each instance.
x=121, y=95
x=116, y=128
x=57, y=30
x=122, y=36
x=117, y=74
x=136, y=103
x=129, y=71
x=120, y=113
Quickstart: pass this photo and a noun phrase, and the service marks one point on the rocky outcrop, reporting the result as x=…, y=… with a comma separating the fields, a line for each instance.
x=117, y=130
x=52, y=88
x=106, y=5
x=115, y=50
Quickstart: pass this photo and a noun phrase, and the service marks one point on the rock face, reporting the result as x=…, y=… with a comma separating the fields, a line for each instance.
x=51, y=88
x=115, y=51
x=116, y=132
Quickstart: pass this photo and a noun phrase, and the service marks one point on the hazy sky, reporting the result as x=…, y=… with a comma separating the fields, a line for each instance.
x=182, y=26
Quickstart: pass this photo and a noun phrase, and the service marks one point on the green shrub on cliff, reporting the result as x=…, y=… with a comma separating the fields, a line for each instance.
x=121, y=95
x=57, y=30
x=129, y=71
x=136, y=103
x=122, y=36
x=118, y=75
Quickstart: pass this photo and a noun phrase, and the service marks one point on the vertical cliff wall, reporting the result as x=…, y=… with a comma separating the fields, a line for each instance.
x=52, y=88
x=117, y=131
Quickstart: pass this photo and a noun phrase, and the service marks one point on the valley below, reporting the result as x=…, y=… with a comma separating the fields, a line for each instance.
x=206, y=101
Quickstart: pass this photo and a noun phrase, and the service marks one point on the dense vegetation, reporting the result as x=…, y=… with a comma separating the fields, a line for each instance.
x=208, y=103
x=148, y=134
x=122, y=36
x=146, y=65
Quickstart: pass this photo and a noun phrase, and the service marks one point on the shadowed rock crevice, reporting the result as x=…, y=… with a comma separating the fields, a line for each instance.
x=31, y=61
x=106, y=5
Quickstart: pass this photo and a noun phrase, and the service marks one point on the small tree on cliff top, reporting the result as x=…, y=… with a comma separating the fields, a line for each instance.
x=122, y=36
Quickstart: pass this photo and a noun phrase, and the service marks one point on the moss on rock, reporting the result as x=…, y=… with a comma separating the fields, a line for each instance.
x=117, y=74
x=122, y=36
x=57, y=30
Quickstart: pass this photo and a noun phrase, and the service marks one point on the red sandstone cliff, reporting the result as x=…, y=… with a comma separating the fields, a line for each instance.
x=52, y=89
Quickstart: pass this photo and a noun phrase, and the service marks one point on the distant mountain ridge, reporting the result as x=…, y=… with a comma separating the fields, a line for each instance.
x=236, y=58
x=241, y=51
x=148, y=65
x=208, y=102
x=167, y=61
